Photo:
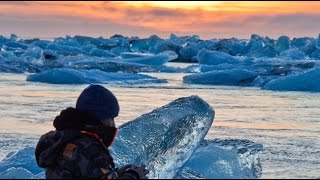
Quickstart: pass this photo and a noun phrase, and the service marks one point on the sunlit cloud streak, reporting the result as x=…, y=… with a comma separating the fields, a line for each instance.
x=206, y=19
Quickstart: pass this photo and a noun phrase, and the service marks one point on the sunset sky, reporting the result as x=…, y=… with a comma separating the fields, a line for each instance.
x=216, y=19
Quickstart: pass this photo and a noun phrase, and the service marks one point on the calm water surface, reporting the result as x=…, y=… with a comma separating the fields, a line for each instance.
x=286, y=123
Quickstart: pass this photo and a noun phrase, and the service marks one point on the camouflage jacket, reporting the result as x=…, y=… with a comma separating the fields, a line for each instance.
x=72, y=154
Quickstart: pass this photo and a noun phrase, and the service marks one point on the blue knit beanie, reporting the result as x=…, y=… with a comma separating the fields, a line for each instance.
x=99, y=102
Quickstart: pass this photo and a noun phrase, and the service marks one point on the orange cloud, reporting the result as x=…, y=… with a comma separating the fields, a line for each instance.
x=189, y=17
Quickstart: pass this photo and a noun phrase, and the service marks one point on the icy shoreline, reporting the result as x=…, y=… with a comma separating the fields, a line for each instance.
x=259, y=62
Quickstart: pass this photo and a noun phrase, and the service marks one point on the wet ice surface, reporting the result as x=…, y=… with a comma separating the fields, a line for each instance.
x=226, y=159
x=165, y=138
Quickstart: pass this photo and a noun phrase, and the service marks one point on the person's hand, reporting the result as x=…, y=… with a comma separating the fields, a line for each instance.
x=122, y=170
x=140, y=170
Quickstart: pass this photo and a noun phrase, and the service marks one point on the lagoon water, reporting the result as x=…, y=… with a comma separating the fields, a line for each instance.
x=286, y=123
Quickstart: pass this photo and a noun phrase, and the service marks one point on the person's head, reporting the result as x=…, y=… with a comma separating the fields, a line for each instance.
x=100, y=103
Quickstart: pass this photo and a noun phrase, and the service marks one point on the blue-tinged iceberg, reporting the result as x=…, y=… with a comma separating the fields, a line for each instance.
x=135, y=54
x=283, y=43
x=73, y=76
x=101, y=53
x=207, y=68
x=215, y=57
x=64, y=49
x=294, y=54
x=165, y=138
x=155, y=60
x=20, y=165
x=224, y=159
x=305, y=81
x=233, y=77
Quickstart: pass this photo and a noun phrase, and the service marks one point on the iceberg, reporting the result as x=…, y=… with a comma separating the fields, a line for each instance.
x=294, y=54
x=231, y=46
x=316, y=54
x=308, y=49
x=207, y=68
x=208, y=57
x=261, y=80
x=283, y=43
x=165, y=138
x=64, y=49
x=41, y=43
x=21, y=164
x=3, y=39
x=233, y=77
x=155, y=60
x=101, y=53
x=16, y=45
x=300, y=42
x=224, y=159
x=118, y=50
x=19, y=67
x=73, y=76
x=305, y=81
x=189, y=52
x=166, y=45
x=135, y=54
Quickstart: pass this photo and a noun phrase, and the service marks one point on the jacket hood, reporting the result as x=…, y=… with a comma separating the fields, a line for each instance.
x=70, y=124
x=51, y=144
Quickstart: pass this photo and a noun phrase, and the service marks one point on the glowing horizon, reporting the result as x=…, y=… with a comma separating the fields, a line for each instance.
x=208, y=19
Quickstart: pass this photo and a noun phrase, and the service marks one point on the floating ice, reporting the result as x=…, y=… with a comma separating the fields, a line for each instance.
x=224, y=159
x=300, y=42
x=72, y=76
x=155, y=60
x=165, y=138
x=262, y=80
x=16, y=45
x=135, y=54
x=101, y=53
x=283, y=43
x=231, y=46
x=233, y=77
x=165, y=46
x=22, y=162
x=306, y=81
x=293, y=54
x=19, y=67
x=315, y=54
x=214, y=57
x=64, y=49
x=207, y=68
x=189, y=52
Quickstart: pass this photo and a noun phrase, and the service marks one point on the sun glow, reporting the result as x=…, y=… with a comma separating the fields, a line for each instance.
x=174, y=4
x=207, y=18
